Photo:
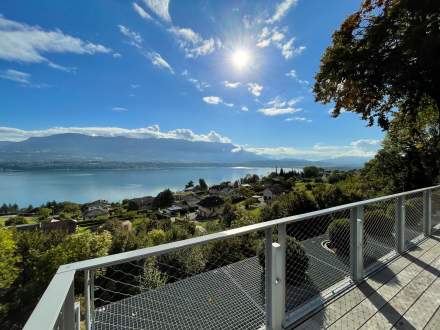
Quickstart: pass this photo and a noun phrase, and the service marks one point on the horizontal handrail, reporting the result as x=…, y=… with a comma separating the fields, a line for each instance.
x=49, y=307
x=115, y=259
x=47, y=311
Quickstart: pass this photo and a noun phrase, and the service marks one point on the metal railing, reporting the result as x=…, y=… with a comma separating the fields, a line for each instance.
x=266, y=275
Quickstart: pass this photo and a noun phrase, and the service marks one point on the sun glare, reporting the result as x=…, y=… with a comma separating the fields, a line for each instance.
x=241, y=58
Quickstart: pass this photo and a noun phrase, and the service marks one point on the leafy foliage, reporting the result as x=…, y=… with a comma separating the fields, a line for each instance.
x=163, y=199
x=383, y=57
x=339, y=235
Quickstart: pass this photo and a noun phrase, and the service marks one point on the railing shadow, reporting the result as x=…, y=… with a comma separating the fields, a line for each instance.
x=385, y=309
x=422, y=264
x=383, y=274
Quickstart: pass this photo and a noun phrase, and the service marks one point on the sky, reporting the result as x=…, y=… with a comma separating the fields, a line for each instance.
x=236, y=72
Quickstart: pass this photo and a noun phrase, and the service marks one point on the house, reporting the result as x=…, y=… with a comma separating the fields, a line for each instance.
x=191, y=200
x=141, y=203
x=174, y=210
x=101, y=203
x=211, y=206
x=56, y=224
x=272, y=191
x=95, y=211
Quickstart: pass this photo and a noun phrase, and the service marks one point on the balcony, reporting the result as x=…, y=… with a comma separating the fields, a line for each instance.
x=378, y=268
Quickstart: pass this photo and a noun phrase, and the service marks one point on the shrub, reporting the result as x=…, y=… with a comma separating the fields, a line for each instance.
x=339, y=235
x=17, y=220
x=297, y=261
x=378, y=223
x=414, y=212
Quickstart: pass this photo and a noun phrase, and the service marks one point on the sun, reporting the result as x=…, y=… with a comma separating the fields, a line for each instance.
x=241, y=59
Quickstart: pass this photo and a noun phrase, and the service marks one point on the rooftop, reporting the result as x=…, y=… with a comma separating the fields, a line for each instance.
x=381, y=273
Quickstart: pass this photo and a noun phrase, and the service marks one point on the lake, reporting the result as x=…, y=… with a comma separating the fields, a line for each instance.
x=37, y=187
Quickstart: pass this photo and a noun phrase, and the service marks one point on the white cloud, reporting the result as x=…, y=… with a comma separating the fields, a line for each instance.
x=159, y=8
x=135, y=86
x=244, y=108
x=192, y=43
x=17, y=76
x=300, y=119
x=215, y=100
x=288, y=50
x=142, y=13
x=200, y=85
x=159, y=61
x=270, y=35
x=276, y=36
x=119, y=109
x=292, y=73
x=134, y=38
x=20, y=42
x=184, y=73
x=278, y=106
x=362, y=143
x=316, y=152
x=281, y=10
x=255, y=89
x=278, y=111
x=117, y=55
x=14, y=134
x=229, y=84
x=212, y=99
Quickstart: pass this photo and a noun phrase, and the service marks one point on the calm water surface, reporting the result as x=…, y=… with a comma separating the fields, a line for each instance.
x=37, y=187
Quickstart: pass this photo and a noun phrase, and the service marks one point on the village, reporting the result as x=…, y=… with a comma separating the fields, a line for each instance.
x=196, y=203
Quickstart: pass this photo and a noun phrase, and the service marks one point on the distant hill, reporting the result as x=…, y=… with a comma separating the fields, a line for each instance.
x=351, y=162
x=83, y=151
x=78, y=147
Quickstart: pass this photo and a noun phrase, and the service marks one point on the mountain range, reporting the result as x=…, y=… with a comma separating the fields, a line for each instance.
x=83, y=148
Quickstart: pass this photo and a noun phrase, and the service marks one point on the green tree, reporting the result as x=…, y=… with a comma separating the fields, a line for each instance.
x=202, y=184
x=44, y=213
x=383, y=57
x=328, y=196
x=17, y=220
x=410, y=157
x=163, y=199
x=311, y=172
x=190, y=184
x=229, y=214
x=152, y=277
x=9, y=259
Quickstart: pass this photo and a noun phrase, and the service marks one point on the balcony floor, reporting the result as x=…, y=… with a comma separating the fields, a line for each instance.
x=403, y=295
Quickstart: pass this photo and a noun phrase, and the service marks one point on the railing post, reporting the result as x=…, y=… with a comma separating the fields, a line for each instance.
x=69, y=310
x=77, y=315
x=87, y=298
x=356, y=243
x=282, y=265
x=275, y=279
x=278, y=306
x=427, y=212
x=400, y=224
x=268, y=276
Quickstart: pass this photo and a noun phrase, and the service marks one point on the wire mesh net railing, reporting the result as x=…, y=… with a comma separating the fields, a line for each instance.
x=227, y=280
x=379, y=232
x=217, y=285
x=317, y=257
x=414, y=205
x=435, y=211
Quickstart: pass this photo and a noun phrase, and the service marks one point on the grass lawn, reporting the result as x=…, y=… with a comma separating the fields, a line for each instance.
x=3, y=218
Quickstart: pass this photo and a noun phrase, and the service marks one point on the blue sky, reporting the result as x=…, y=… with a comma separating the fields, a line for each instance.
x=221, y=71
